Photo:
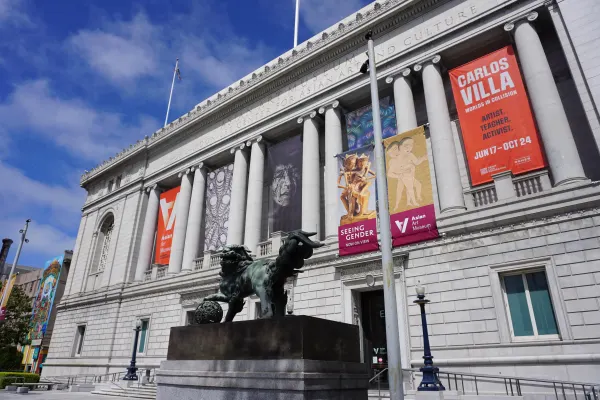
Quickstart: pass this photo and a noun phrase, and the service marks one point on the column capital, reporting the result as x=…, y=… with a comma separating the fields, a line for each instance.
x=182, y=173
x=335, y=104
x=237, y=147
x=436, y=59
x=308, y=116
x=152, y=187
x=405, y=73
x=529, y=17
x=257, y=139
x=197, y=167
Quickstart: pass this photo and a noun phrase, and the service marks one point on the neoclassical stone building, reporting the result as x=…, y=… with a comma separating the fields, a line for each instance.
x=513, y=279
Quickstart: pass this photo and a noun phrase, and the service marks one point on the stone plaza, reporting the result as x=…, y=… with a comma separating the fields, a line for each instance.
x=530, y=234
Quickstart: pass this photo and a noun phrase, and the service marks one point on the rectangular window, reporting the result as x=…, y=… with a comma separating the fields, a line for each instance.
x=143, y=336
x=110, y=185
x=118, y=181
x=79, y=337
x=529, y=305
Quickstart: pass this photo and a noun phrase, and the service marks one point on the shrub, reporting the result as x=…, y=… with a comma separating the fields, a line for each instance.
x=7, y=378
x=10, y=358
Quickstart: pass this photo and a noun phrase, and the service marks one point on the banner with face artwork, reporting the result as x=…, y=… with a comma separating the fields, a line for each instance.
x=359, y=124
x=495, y=118
x=218, y=197
x=166, y=225
x=357, y=232
x=44, y=300
x=284, y=179
x=410, y=191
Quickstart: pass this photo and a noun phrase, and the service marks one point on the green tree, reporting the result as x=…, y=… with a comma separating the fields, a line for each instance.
x=14, y=328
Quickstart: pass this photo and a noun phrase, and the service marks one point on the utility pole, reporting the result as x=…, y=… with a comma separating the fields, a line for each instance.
x=387, y=261
x=5, y=293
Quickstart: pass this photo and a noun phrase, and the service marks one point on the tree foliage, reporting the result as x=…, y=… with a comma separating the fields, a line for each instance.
x=15, y=326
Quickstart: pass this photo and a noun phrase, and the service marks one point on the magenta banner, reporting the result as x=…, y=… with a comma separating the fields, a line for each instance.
x=358, y=237
x=414, y=225
x=357, y=232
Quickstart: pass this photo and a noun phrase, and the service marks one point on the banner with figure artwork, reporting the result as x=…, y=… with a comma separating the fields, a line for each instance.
x=359, y=124
x=357, y=232
x=284, y=179
x=495, y=118
x=6, y=287
x=166, y=225
x=218, y=197
x=410, y=191
x=44, y=300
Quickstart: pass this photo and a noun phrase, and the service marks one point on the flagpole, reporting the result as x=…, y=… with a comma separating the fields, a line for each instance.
x=296, y=24
x=171, y=94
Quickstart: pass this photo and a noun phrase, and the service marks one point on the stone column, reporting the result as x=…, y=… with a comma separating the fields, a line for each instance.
x=254, y=203
x=181, y=220
x=145, y=254
x=311, y=194
x=237, y=207
x=191, y=249
x=333, y=147
x=406, y=116
x=442, y=141
x=550, y=115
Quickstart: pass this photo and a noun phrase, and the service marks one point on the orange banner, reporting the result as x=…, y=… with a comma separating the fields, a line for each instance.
x=495, y=118
x=166, y=224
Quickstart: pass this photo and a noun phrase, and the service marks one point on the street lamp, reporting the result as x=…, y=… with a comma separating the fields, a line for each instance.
x=387, y=261
x=430, y=381
x=132, y=370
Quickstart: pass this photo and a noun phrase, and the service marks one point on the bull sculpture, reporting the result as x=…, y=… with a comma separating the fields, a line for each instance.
x=243, y=276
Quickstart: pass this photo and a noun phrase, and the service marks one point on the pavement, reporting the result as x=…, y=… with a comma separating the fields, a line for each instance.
x=53, y=395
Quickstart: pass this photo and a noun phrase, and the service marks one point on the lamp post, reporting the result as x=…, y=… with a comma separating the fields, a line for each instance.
x=5, y=292
x=132, y=370
x=430, y=382
x=387, y=262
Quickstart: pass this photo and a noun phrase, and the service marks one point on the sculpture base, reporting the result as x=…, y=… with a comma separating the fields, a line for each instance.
x=291, y=358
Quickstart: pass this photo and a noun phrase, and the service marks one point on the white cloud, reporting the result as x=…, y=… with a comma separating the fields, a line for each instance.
x=321, y=14
x=45, y=241
x=50, y=207
x=121, y=52
x=70, y=123
x=211, y=54
x=11, y=12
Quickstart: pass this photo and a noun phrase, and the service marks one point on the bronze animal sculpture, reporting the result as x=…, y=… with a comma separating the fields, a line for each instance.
x=243, y=276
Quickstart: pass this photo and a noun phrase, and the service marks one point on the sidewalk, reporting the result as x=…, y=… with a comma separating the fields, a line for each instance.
x=52, y=395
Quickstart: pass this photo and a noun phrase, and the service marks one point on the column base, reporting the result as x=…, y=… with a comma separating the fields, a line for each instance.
x=571, y=180
x=453, y=209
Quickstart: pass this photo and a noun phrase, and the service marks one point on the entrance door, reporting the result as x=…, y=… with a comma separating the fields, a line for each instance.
x=374, y=339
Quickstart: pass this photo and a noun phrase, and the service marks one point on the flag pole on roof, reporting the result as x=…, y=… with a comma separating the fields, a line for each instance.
x=296, y=24
x=177, y=73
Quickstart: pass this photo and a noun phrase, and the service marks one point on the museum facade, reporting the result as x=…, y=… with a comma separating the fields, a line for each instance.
x=505, y=93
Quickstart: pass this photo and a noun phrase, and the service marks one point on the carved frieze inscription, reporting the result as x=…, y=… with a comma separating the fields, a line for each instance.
x=410, y=34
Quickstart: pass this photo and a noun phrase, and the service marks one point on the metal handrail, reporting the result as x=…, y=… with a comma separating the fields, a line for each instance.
x=512, y=384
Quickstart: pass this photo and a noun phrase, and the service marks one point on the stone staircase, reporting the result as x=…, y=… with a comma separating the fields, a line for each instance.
x=147, y=391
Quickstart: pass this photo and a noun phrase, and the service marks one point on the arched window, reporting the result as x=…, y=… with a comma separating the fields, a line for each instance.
x=103, y=244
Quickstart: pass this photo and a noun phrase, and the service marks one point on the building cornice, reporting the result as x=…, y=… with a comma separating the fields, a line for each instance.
x=270, y=76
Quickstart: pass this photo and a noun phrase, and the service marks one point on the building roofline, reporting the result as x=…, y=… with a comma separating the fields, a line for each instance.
x=347, y=27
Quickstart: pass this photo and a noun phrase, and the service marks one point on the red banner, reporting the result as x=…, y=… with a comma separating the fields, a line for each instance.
x=496, y=121
x=166, y=223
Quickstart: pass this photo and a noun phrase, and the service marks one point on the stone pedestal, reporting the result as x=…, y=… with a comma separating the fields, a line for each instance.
x=291, y=358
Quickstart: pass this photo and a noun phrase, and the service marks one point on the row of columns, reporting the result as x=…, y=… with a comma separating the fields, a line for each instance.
x=245, y=215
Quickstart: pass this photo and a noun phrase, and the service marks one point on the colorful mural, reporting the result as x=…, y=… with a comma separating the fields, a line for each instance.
x=359, y=124
x=45, y=297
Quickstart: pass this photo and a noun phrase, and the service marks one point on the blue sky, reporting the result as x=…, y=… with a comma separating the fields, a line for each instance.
x=80, y=80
